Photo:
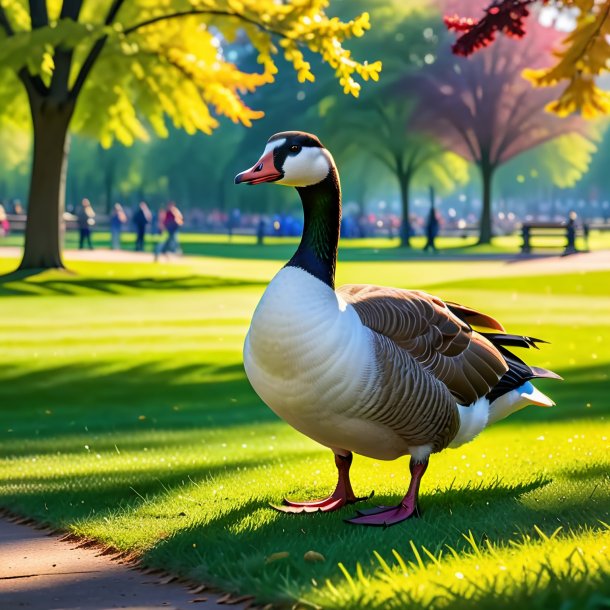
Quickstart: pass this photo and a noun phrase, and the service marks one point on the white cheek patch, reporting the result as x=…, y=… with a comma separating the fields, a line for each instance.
x=308, y=167
x=272, y=146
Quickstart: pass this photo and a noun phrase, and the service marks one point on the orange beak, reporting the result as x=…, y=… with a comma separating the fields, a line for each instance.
x=263, y=171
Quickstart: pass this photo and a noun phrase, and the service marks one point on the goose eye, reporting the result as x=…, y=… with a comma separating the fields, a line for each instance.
x=295, y=148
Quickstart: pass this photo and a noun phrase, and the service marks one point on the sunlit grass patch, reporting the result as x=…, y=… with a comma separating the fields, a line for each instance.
x=534, y=570
x=125, y=416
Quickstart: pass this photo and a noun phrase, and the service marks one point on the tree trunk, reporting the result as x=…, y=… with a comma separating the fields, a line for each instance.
x=485, y=228
x=43, y=233
x=404, y=181
x=108, y=162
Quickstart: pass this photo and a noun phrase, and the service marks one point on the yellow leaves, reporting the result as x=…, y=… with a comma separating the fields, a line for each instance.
x=48, y=63
x=303, y=24
x=567, y=159
x=17, y=14
x=179, y=60
x=296, y=58
x=582, y=95
x=585, y=56
x=123, y=123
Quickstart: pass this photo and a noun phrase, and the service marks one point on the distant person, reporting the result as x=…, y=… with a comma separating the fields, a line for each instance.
x=172, y=221
x=86, y=219
x=585, y=234
x=118, y=218
x=141, y=219
x=571, y=233
x=432, y=226
x=261, y=229
x=17, y=207
x=5, y=226
x=233, y=221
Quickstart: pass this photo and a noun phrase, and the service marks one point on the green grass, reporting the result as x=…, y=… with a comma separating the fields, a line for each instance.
x=376, y=249
x=125, y=416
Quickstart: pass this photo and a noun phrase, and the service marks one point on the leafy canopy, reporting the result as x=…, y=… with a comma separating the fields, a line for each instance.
x=482, y=108
x=582, y=60
x=153, y=60
x=562, y=162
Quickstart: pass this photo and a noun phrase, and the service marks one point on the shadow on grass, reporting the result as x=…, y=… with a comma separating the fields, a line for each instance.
x=284, y=251
x=207, y=535
x=63, y=401
x=583, y=393
x=17, y=284
x=493, y=513
x=207, y=538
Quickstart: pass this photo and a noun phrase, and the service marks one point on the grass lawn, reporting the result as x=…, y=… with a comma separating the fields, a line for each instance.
x=361, y=250
x=125, y=416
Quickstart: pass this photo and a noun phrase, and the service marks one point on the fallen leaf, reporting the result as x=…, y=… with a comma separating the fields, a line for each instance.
x=314, y=557
x=277, y=556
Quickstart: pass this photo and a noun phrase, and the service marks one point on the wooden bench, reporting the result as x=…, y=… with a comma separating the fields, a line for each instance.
x=550, y=229
x=17, y=222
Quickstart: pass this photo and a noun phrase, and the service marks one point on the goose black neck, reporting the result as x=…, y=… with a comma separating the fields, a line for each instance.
x=317, y=252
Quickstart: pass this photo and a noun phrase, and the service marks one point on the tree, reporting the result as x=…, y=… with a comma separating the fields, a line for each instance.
x=117, y=69
x=483, y=109
x=389, y=131
x=561, y=163
x=583, y=60
x=384, y=124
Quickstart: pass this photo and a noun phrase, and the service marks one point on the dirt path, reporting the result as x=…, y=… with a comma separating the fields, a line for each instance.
x=38, y=571
x=102, y=255
x=508, y=264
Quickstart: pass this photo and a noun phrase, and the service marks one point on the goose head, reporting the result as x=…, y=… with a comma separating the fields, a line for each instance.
x=291, y=158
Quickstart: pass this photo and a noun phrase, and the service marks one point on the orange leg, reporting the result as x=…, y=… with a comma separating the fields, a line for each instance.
x=390, y=515
x=343, y=494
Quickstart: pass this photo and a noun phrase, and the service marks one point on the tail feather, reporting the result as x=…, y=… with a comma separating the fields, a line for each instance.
x=513, y=340
x=474, y=317
x=545, y=373
x=518, y=371
x=535, y=397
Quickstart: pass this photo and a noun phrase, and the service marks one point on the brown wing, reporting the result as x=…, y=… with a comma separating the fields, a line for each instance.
x=465, y=361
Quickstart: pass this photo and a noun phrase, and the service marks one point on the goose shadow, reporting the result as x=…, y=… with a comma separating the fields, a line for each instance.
x=69, y=283
x=249, y=534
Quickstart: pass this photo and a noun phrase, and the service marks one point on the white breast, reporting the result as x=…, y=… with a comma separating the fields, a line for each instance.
x=308, y=356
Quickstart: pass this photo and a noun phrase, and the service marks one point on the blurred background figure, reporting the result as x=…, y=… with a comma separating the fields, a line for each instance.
x=17, y=207
x=172, y=221
x=261, y=229
x=432, y=225
x=571, y=233
x=86, y=219
x=141, y=219
x=4, y=223
x=118, y=218
x=233, y=221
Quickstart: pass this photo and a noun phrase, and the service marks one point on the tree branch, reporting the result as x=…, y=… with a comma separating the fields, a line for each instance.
x=4, y=22
x=31, y=83
x=99, y=45
x=70, y=9
x=38, y=14
x=95, y=52
x=63, y=57
x=418, y=163
x=212, y=12
x=379, y=155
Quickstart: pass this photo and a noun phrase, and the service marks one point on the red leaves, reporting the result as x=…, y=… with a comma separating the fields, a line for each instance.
x=505, y=16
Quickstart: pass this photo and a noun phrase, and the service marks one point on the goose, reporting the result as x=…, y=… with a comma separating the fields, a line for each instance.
x=377, y=371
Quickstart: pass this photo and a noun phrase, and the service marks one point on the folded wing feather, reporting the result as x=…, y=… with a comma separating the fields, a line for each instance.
x=424, y=326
